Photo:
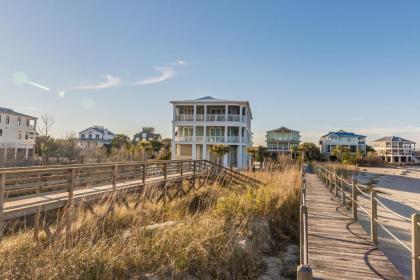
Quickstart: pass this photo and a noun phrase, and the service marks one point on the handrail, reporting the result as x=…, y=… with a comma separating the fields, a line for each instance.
x=304, y=270
x=327, y=176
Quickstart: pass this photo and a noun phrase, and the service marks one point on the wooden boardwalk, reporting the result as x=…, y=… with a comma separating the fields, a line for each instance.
x=339, y=248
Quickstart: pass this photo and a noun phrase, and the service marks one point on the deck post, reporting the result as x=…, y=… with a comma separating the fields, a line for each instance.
x=343, y=193
x=194, y=171
x=2, y=199
x=415, y=246
x=374, y=217
x=304, y=272
x=114, y=177
x=70, y=206
x=144, y=175
x=336, y=190
x=354, y=200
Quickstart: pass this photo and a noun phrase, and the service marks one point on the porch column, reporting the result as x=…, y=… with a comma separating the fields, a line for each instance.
x=5, y=152
x=240, y=113
x=205, y=112
x=26, y=154
x=226, y=112
x=173, y=155
x=225, y=159
x=226, y=130
x=194, y=152
x=195, y=113
x=240, y=151
x=15, y=150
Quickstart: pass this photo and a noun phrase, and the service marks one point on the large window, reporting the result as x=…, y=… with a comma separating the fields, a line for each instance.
x=1, y=132
x=19, y=120
x=19, y=135
x=7, y=119
x=215, y=131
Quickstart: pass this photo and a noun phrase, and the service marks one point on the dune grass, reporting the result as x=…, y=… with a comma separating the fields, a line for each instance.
x=194, y=235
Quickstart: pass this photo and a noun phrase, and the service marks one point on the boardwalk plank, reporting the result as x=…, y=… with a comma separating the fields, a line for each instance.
x=338, y=247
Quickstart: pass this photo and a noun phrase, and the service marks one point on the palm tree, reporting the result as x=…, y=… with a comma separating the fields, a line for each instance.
x=220, y=151
x=145, y=148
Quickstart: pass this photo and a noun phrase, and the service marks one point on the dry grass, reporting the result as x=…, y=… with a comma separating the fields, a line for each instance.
x=201, y=239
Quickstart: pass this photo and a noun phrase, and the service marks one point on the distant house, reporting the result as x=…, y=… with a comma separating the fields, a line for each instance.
x=17, y=134
x=95, y=136
x=282, y=140
x=148, y=134
x=393, y=149
x=354, y=142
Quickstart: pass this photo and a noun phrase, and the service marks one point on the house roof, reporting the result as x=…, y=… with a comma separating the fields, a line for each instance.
x=98, y=129
x=283, y=129
x=10, y=111
x=211, y=99
x=392, y=139
x=342, y=133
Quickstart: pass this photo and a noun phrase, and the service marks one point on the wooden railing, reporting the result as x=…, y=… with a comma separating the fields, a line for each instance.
x=304, y=271
x=351, y=190
x=26, y=182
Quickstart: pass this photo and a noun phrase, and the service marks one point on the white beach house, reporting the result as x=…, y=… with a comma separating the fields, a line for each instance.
x=198, y=124
x=354, y=142
x=17, y=134
x=95, y=136
x=395, y=149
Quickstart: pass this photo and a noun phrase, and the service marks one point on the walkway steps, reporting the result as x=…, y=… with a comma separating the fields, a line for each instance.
x=339, y=248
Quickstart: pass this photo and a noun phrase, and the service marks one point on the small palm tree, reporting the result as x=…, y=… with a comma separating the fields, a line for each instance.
x=146, y=148
x=220, y=150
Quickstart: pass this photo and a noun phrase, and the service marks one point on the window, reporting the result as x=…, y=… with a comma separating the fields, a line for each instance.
x=26, y=135
x=19, y=120
x=82, y=136
x=31, y=135
x=215, y=131
x=7, y=119
x=90, y=135
x=19, y=135
x=97, y=136
x=1, y=132
x=28, y=122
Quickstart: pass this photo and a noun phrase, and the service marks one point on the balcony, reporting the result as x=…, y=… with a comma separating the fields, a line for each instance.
x=212, y=139
x=210, y=118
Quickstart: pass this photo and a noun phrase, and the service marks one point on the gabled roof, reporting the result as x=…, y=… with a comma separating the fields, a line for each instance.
x=211, y=99
x=10, y=111
x=392, y=139
x=342, y=133
x=100, y=130
x=283, y=129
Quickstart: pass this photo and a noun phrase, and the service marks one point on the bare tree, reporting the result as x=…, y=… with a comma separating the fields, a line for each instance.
x=47, y=121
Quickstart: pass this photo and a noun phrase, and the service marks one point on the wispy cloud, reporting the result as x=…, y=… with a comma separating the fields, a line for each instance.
x=166, y=73
x=178, y=62
x=30, y=108
x=111, y=81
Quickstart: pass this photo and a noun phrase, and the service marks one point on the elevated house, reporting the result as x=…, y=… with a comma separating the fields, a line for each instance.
x=354, y=142
x=17, y=134
x=95, y=136
x=393, y=149
x=147, y=134
x=200, y=123
x=282, y=140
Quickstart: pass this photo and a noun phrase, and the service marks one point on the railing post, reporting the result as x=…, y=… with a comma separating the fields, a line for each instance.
x=71, y=186
x=374, y=217
x=144, y=175
x=415, y=246
x=343, y=193
x=336, y=188
x=2, y=199
x=165, y=175
x=114, y=177
x=354, y=200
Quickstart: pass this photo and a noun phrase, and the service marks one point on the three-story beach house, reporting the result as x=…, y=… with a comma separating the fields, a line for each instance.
x=282, y=140
x=95, y=136
x=198, y=124
x=393, y=149
x=354, y=142
x=17, y=134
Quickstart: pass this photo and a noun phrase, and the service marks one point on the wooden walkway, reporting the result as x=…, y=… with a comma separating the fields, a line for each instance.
x=339, y=248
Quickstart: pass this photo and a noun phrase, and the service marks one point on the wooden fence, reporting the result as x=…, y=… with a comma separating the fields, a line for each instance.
x=22, y=188
x=349, y=191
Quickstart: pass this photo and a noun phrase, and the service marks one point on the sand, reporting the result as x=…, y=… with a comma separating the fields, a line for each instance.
x=399, y=190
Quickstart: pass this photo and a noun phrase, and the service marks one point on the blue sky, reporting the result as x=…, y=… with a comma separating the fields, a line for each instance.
x=313, y=66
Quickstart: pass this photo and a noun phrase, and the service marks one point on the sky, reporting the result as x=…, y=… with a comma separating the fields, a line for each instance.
x=312, y=66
